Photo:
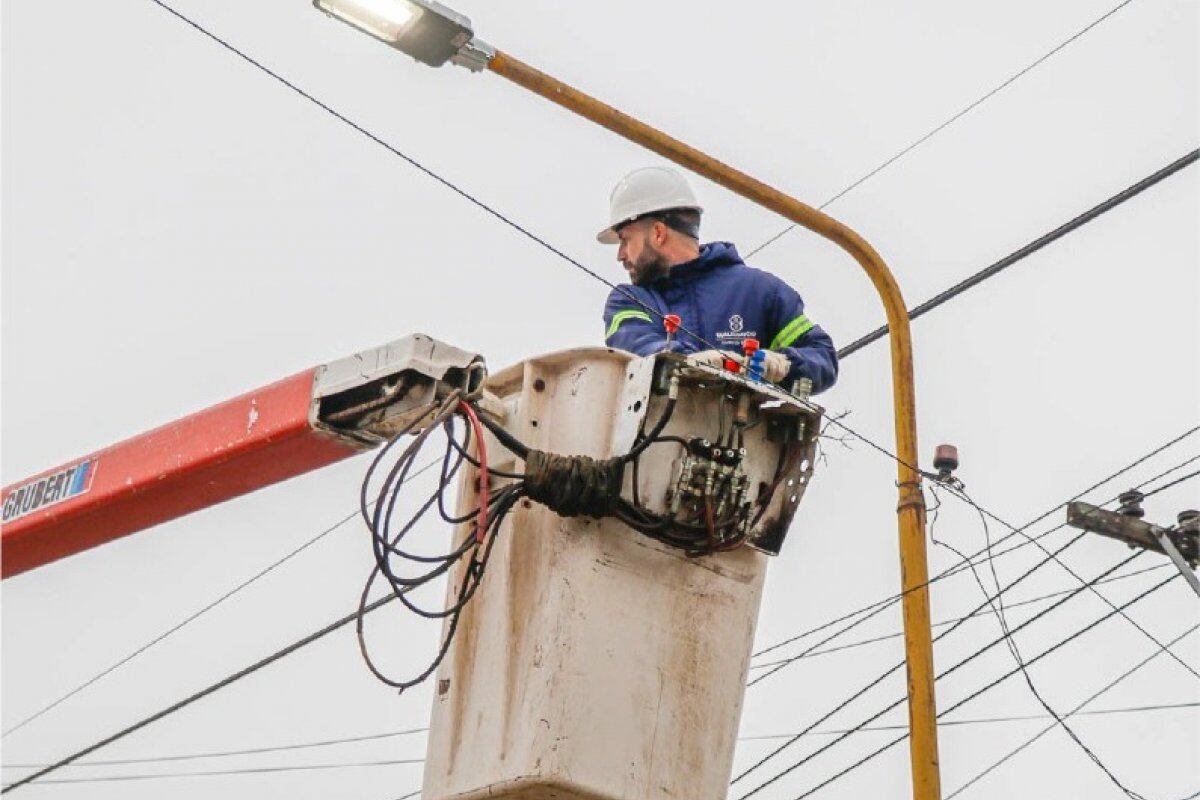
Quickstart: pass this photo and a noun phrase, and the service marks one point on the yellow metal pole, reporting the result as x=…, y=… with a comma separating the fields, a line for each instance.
x=922, y=713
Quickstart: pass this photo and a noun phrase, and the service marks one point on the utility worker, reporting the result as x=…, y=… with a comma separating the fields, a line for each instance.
x=655, y=219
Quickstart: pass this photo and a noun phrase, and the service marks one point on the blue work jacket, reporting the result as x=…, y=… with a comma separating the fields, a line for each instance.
x=722, y=300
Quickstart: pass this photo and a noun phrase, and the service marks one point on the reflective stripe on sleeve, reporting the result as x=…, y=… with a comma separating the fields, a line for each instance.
x=791, y=332
x=621, y=316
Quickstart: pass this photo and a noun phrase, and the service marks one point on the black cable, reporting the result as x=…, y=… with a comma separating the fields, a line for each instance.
x=472, y=552
x=959, y=115
x=1029, y=249
x=1076, y=711
x=1014, y=531
x=205, y=692
x=474, y=462
x=509, y=441
x=896, y=667
x=473, y=575
x=385, y=545
x=1014, y=650
x=983, y=511
x=195, y=615
x=951, y=621
x=219, y=772
x=655, y=431
x=879, y=606
x=1165, y=486
x=988, y=687
x=514, y=445
x=984, y=720
x=421, y=167
x=249, y=751
x=379, y=520
x=760, y=737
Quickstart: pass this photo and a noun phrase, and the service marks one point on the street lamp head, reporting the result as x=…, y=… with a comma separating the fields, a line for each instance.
x=425, y=30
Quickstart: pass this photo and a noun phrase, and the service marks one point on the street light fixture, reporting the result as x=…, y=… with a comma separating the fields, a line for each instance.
x=433, y=34
x=423, y=29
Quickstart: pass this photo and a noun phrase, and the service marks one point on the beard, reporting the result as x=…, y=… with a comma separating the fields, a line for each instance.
x=649, y=267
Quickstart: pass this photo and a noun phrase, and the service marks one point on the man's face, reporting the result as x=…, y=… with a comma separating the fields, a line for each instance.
x=637, y=253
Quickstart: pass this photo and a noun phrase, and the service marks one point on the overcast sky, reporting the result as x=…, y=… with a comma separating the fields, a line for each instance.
x=179, y=229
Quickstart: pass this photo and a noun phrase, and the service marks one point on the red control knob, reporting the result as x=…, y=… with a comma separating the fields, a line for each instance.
x=672, y=322
x=750, y=346
x=732, y=366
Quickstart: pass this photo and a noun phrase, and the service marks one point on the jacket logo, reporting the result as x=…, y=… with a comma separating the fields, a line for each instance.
x=736, y=334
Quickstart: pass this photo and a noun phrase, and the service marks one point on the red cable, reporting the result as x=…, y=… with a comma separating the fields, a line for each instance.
x=481, y=522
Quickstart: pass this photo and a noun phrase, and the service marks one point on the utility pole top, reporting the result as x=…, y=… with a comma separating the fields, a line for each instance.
x=1181, y=543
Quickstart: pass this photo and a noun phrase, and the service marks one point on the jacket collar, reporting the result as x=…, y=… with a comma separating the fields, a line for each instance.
x=713, y=255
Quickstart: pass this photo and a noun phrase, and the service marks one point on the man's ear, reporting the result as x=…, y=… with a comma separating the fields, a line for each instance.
x=659, y=233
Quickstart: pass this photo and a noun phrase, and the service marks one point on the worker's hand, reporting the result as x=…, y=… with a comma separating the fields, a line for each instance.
x=776, y=366
x=708, y=358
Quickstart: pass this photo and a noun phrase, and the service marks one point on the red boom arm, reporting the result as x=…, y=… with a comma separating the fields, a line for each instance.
x=285, y=429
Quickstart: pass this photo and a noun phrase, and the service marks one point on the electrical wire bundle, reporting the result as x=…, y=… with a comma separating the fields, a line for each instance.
x=705, y=529
x=709, y=511
x=475, y=547
x=569, y=485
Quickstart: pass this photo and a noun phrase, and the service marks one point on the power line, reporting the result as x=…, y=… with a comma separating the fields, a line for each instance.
x=879, y=608
x=197, y=614
x=182, y=623
x=986, y=720
x=1014, y=649
x=748, y=738
x=1076, y=711
x=954, y=118
x=988, y=687
x=205, y=692
x=876, y=608
x=220, y=772
x=958, y=493
x=226, y=753
x=480, y=204
x=498, y=215
x=960, y=567
x=895, y=667
x=1028, y=250
x=942, y=623
x=1175, y=482
x=965, y=498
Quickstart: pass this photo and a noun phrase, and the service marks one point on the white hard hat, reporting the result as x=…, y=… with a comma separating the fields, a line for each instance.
x=644, y=191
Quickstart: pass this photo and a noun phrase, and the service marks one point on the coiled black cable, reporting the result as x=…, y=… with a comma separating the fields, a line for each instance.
x=581, y=485
x=474, y=547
